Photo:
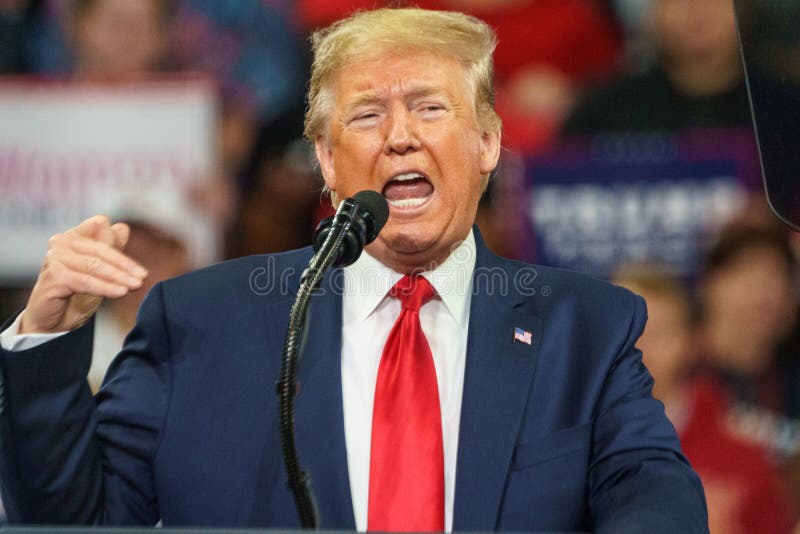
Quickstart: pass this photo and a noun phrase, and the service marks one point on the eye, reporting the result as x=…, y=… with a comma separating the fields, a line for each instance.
x=365, y=118
x=431, y=110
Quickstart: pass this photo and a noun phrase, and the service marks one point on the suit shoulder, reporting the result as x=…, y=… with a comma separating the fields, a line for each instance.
x=552, y=287
x=582, y=283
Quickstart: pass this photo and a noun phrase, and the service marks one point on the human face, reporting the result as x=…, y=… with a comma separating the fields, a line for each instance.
x=753, y=291
x=689, y=30
x=120, y=39
x=405, y=125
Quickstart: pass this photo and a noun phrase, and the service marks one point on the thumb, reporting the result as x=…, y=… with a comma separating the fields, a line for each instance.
x=122, y=233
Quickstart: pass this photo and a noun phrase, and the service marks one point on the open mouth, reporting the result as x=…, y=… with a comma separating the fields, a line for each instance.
x=408, y=190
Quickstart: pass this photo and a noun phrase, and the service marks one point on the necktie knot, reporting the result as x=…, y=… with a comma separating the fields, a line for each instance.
x=413, y=292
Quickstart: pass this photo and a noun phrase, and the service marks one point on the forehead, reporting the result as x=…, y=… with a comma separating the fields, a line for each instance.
x=758, y=257
x=401, y=74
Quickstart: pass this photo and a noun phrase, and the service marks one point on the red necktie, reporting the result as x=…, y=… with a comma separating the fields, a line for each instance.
x=406, y=471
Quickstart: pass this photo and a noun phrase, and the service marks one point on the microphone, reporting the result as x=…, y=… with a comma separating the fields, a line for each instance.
x=338, y=241
x=359, y=218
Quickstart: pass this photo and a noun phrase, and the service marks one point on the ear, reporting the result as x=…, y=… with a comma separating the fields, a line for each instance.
x=325, y=158
x=490, y=150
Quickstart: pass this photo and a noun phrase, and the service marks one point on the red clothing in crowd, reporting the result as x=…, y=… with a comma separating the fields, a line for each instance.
x=574, y=36
x=743, y=490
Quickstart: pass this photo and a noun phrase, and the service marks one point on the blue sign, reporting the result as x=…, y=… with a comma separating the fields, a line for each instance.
x=590, y=206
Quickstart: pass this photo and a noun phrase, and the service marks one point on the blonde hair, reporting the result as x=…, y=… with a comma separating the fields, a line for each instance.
x=655, y=280
x=367, y=34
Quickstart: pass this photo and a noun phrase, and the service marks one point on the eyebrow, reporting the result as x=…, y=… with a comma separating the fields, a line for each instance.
x=374, y=97
x=366, y=99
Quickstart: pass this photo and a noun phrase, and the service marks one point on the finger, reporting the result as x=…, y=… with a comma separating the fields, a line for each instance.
x=90, y=247
x=86, y=284
x=122, y=232
x=92, y=226
x=71, y=282
x=98, y=268
x=103, y=232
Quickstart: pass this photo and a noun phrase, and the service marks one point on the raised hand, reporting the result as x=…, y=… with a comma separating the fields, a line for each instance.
x=83, y=265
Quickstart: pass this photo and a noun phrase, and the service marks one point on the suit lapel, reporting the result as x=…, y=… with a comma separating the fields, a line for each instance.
x=498, y=375
x=319, y=419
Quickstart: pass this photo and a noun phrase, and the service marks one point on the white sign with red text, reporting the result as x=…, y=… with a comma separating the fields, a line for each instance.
x=71, y=150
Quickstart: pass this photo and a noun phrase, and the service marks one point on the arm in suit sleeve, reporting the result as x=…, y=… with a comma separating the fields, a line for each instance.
x=639, y=481
x=69, y=458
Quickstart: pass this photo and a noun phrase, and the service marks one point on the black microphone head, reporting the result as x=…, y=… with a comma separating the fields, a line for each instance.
x=363, y=215
x=373, y=203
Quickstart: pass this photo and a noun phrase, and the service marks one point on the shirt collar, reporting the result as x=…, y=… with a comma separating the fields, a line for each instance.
x=367, y=281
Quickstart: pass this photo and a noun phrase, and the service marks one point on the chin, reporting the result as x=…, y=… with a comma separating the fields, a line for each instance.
x=405, y=240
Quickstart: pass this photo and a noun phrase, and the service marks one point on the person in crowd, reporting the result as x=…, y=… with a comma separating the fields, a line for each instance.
x=748, y=296
x=744, y=490
x=117, y=41
x=697, y=81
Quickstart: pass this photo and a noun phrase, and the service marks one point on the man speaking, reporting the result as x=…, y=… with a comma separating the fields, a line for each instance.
x=440, y=388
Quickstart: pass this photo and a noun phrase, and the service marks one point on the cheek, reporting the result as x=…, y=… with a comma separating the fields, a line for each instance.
x=461, y=158
x=355, y=153
x=728, y=293
x=461, y=194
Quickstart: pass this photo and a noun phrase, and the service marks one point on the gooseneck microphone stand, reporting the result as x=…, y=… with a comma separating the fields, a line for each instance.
x=353, y=226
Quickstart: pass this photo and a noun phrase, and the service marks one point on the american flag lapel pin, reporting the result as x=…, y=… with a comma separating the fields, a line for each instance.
x=522, y=336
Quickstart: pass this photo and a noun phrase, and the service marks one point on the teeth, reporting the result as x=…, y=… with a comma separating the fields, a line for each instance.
x=407, y=176
x=408, y=202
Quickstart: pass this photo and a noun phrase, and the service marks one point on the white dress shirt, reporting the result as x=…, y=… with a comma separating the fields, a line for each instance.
x=109, y=336
x=368, y=315
x=11, y=339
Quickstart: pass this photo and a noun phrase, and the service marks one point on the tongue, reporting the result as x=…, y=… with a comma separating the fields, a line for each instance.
x=416, y=188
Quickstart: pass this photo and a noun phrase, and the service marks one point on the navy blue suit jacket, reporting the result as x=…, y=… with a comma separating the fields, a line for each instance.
x=562, y=434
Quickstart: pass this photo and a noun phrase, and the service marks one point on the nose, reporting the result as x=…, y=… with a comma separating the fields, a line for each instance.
x=401, y=135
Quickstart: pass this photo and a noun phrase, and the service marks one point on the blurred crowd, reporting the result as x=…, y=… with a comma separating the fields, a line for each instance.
x=723, y=345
